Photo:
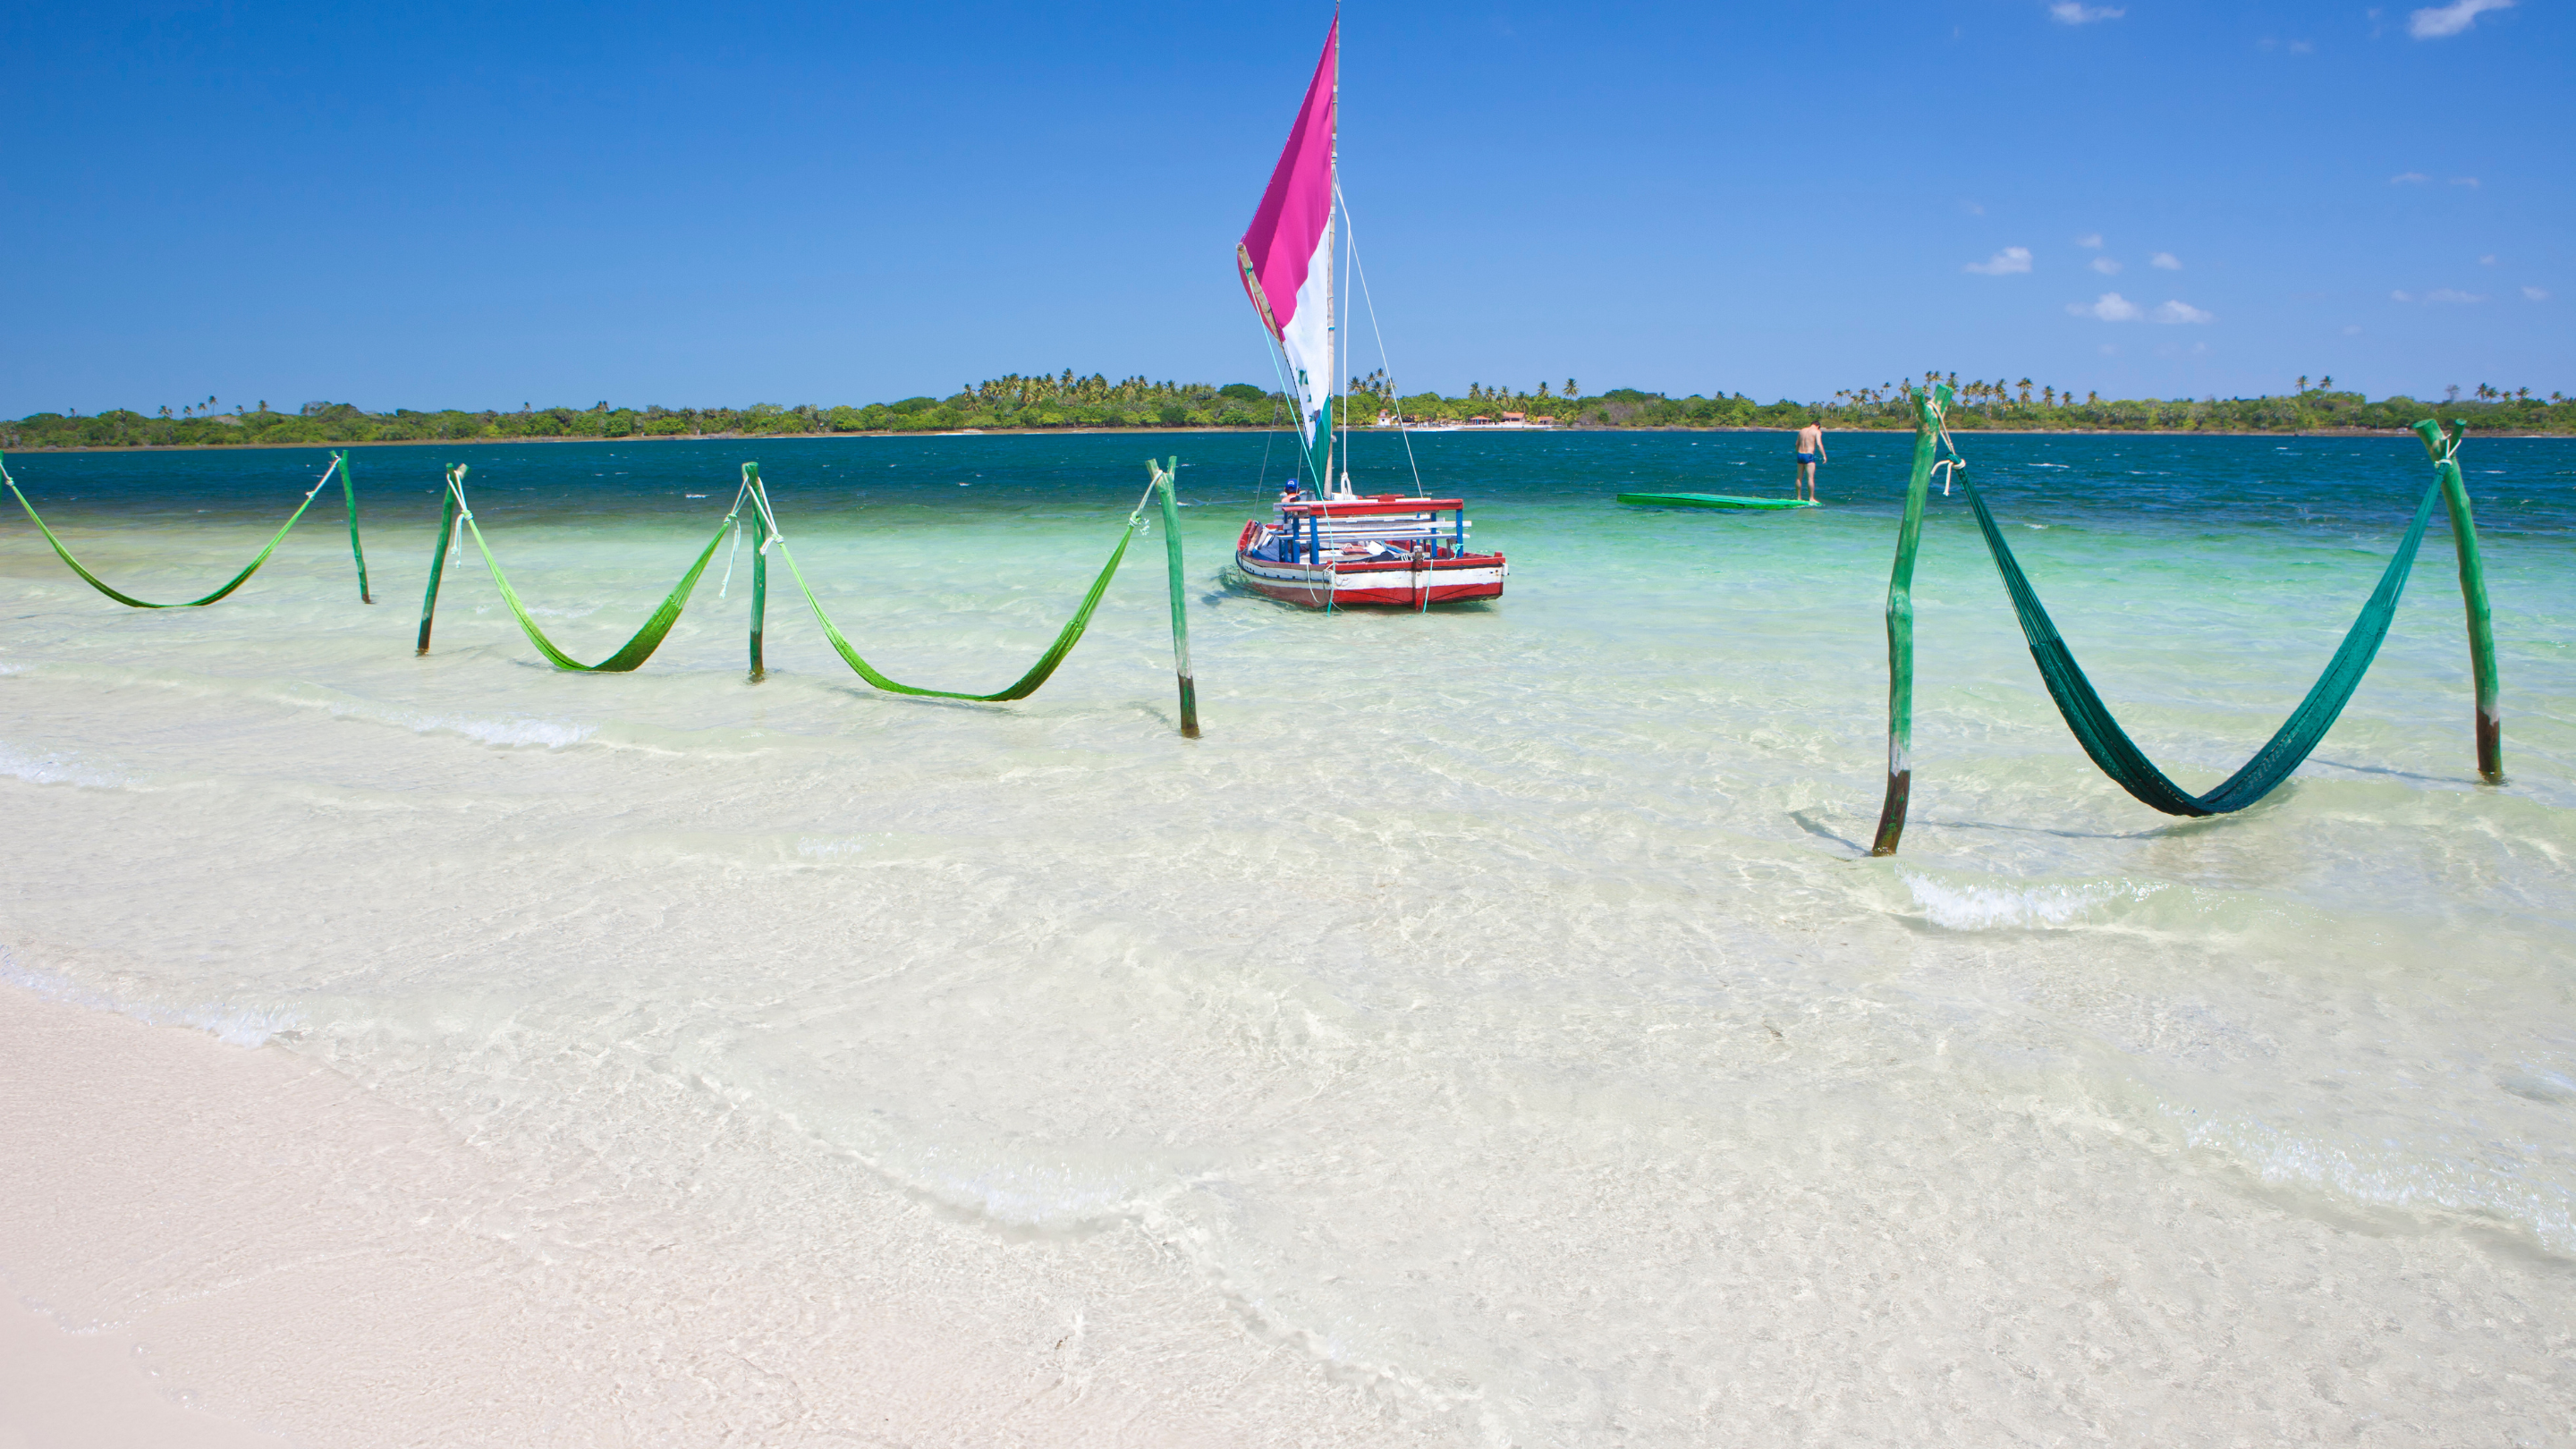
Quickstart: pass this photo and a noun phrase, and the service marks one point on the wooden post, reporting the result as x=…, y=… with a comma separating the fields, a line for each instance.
x=2473, y=595
x=438, y=559
x=349, y=493
x=759, y=569
x=1165, y=478
x=1929, y=407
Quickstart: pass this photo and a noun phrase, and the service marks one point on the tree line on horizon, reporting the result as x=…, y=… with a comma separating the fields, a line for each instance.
x=1068, y=400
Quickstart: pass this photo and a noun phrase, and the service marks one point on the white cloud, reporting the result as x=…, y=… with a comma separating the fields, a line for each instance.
x=2003, y=263
x=2449, y=294
x=2165, y=261
x=2181, y=312
x=2399, y=297
x=2536, y=294
x=2408, y=178
x=2488, y=260
x=2301, y=47
x=2353, y=330
x=2110, y=307
x=2068, y=12
x=2434, y=22
x=2090, y=239
x=2107, y=266
x=2464, y=181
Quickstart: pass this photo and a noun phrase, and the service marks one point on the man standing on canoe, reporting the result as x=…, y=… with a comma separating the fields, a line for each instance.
x=1811, y=451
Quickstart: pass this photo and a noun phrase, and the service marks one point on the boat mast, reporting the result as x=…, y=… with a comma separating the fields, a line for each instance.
x=1332, y=298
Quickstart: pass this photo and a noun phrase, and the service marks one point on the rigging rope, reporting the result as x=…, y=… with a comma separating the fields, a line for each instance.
x=1353, y=233
x=339, y=465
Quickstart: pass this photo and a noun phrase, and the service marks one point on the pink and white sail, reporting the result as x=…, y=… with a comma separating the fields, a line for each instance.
x=1286, y=257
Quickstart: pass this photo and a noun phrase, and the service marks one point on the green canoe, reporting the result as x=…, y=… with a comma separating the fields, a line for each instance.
x=1710, y=500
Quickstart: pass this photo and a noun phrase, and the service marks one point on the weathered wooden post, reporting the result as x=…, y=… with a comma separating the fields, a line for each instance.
x=2473, y=594
x=759, y=568
x=438, y=559
x=1929, y=408
x=1166, y=476
x=349, y=493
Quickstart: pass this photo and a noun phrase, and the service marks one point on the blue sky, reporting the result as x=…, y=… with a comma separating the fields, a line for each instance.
x=481, y=206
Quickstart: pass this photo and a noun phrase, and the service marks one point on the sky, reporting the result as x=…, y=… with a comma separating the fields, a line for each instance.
x=492, y=205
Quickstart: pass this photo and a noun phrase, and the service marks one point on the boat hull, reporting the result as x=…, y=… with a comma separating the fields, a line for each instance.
x=1402, y=584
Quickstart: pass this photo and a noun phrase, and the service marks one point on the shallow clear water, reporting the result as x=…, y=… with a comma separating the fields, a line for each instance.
x=1496, y=1004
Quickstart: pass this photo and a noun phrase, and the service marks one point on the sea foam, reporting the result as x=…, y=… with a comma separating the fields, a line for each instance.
x=241, y=1026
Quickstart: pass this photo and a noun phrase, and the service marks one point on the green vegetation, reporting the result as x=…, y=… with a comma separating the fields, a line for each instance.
x=2010, y=406
x=1065, y=401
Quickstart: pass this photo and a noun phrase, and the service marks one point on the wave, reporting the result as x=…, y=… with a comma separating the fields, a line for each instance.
x=1985, y=908
x=56, y=768
x=241, y=1026
x=2393, y=1176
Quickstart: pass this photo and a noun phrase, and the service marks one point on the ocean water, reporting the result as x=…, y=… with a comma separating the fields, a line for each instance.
x=1497, y=1008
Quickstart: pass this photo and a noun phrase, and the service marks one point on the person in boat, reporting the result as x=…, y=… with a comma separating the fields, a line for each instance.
x=1294, y=492
x=1811, y=451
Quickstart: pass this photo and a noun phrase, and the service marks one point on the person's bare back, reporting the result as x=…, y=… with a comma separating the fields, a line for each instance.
x=1811, y=451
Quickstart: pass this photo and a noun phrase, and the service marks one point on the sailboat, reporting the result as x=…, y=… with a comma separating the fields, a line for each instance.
x=1325, y=546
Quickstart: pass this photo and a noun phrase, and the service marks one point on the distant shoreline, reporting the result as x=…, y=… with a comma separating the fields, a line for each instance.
x=2391, y=434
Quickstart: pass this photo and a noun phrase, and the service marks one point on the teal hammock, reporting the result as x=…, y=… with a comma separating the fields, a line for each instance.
x=2120, y=758
x=2094, y=726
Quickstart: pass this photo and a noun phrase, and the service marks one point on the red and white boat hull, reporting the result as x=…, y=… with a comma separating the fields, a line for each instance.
x=1385, y=550
x=1401, y=584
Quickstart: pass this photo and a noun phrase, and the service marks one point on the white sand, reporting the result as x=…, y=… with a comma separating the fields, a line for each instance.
x=212, y=1247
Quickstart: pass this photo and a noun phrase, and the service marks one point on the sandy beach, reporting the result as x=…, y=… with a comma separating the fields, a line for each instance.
x=1511, y=1045
x=211, y=1246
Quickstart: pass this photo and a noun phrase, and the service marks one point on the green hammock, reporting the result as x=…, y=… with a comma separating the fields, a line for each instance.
x=2095, y=729
x=348, y=489
x=2120, y=758
x=1026, y=685
x=649, y=638
x=629, y=655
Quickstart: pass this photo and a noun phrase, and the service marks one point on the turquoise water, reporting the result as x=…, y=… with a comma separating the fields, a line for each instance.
x=1496, y=1009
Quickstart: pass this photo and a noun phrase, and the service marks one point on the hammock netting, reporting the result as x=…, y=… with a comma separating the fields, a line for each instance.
x=339, y=465
x=647, y=639
x=2119, y=756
